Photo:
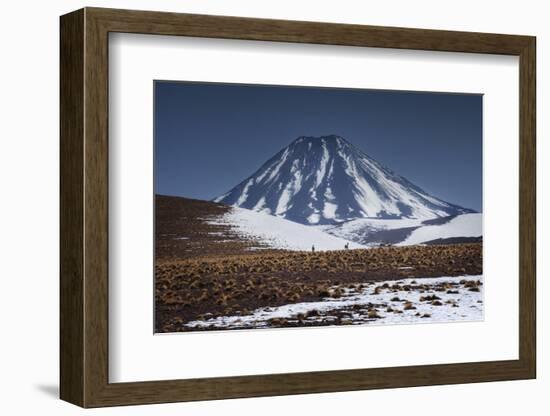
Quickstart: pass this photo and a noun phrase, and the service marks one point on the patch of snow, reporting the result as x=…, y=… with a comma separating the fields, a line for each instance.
x=218, y=199
x=323, y=166
x=329, y=195
x=260, y=205
x=279, y=233
x=314, y=218
x=434, y=201
x=464, y=225
x=274, y=170
x=284, y=199
x=364, y=195
x=244, y=194
x=329, y=210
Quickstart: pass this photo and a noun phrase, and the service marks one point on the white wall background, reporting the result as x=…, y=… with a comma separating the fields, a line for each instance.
x=29, y=209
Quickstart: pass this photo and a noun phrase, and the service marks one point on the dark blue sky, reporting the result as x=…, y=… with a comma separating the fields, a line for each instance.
x=210, y=136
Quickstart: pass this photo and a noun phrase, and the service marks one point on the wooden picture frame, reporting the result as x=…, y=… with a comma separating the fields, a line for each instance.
x=84, y=207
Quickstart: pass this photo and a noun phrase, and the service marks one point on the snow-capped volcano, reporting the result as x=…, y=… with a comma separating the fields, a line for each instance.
x=326, y=180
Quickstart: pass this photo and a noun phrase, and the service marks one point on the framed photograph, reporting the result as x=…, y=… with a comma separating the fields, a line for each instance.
x=260, y=207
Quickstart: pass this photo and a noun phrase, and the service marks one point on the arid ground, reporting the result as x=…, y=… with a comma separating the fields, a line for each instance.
x=205, y=272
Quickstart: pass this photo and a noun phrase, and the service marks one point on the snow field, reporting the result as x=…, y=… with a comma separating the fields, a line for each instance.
x=465, y=225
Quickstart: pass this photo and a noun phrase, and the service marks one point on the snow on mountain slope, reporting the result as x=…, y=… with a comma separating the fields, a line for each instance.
x=279, y=233
x=349, y=229
x=373, y=231
x=467, y=225
x=326, y=180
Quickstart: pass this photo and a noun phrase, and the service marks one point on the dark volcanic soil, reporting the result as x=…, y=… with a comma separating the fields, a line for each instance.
x=183, y=230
